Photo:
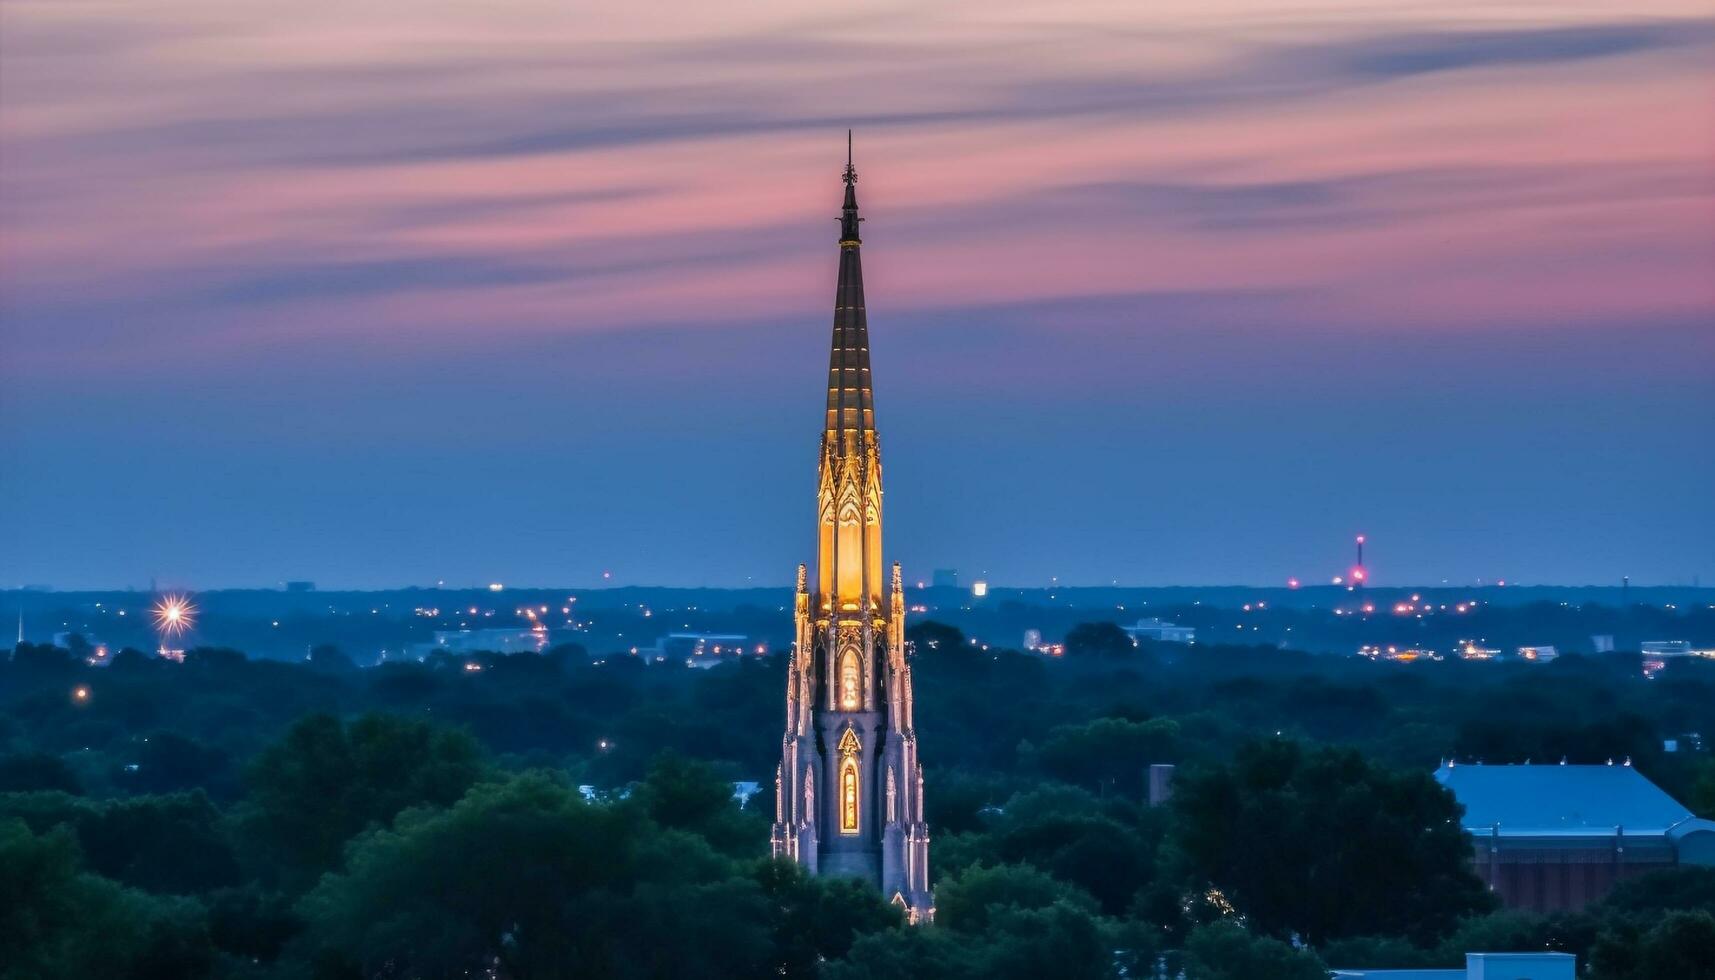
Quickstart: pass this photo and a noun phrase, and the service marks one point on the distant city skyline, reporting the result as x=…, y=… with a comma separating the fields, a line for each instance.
x=408, y=293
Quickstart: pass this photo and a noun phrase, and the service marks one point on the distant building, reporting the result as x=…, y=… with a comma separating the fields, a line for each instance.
x=1161, y=631
x=1538, y=654
x=1483, y=966
x=491, y=641
x=1034, y=643
x=944, y=578
x=1473, y=650
x=1602, y=642
x=1402, y=655
x=1160, y=783
x=1550, y=838
x=1657, y=653
x=701, y=649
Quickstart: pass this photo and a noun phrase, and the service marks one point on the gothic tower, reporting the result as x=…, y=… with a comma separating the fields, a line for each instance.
x=849, y=790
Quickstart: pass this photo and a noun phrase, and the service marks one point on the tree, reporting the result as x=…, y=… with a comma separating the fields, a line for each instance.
x=687, y=795
x=1703, y=791
x=910, y=954
x=1062, y=940
x=929, y=638
x=1073, y=836
x=79, y=647
x=968, y=901
x=42, y=659
x=1387, y=953
x=22, y=772
x=174, y=844
x=61, y=922
x=329, y=659
x=1225, y=951
x=1544, y=732
x=165, y=761
x=1681, y=945
x=1002, y=922
x=250, y=923
x=1512, y=931
x=1107, y=753
x=818, y=919
x=1323, y=844
x=524, y=874
x=326, y=780
x=1649, y=896
x=215, y=659
x=1099, y=640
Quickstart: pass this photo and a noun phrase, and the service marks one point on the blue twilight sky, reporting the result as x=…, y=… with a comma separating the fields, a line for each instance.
x=396, y=293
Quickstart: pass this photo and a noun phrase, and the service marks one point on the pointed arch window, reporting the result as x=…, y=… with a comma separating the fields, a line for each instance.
x=849, y=748
x=851, y=681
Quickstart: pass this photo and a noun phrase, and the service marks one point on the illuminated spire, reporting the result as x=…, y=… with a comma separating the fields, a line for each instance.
x=850, y=406
x=849, y=756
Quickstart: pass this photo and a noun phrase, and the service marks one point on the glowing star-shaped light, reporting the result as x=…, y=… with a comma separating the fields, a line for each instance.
x=174, y=614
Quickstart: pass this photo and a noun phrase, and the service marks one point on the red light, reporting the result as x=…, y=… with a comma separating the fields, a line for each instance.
x=1358, y=574
x=1292, y=583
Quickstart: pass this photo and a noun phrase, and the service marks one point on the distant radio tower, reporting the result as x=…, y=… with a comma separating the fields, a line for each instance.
x=1359, y=574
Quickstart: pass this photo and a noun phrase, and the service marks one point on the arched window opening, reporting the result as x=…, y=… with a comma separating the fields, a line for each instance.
x=851, y=681
x=849, y=797
x=849, y=749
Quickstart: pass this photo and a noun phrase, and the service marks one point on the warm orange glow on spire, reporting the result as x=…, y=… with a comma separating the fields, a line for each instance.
x=848, y=690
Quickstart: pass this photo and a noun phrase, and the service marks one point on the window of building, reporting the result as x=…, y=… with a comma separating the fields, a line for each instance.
x=849, y=748
x=851, y=681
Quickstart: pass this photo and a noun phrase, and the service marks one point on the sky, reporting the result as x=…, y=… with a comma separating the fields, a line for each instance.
x=388, y=293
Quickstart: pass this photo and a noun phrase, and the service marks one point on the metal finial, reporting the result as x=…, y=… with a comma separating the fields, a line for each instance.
x=849, y=219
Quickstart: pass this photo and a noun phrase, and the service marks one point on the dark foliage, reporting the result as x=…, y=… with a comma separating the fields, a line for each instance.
x=313, y=820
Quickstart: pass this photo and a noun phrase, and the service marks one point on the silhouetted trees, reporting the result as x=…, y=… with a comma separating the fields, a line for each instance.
x=1322, y=844
x=326, y=780
x=263, y=820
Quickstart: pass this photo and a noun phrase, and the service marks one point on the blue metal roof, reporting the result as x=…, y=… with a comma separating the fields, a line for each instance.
x=1560, y=799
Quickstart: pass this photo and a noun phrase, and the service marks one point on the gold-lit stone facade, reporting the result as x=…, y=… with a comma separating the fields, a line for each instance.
x=849, y=790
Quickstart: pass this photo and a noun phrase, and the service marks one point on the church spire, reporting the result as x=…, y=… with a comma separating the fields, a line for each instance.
x=851, y=409
x=852, y=784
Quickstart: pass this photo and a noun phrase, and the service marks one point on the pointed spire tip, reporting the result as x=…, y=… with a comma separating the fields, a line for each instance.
x=849, y=213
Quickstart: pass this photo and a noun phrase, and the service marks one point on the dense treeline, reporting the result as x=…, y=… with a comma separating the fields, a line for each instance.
x=557, y=816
